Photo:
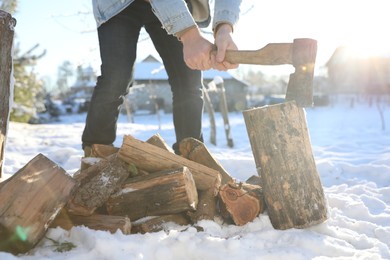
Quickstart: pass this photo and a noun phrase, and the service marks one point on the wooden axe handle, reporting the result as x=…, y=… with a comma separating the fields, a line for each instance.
x=271, y=54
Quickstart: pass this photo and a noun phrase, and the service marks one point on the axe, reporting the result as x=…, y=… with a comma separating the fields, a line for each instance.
x=301, y=53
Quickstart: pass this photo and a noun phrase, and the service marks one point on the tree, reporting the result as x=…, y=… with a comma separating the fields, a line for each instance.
x=8, y=5
x=28, y=89
x=64, y=72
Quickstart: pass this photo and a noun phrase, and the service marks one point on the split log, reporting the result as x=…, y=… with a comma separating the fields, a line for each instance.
x=281, y=147
x=29, y=201
x=158, y=223
x=103, y=151
x=7, y=23
x=158, y=141
x=67, y=220
x=153, y=159
x=97, y=183
x=207, y=206
x=254, y=180
x=161, y=193
x=94, y=152
x=241, y=202
x=196, y=151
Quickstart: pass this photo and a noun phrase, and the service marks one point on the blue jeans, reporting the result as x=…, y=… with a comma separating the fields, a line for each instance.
x=118, y=44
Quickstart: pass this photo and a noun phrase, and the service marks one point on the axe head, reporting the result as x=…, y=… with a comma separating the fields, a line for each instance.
x=300, y=85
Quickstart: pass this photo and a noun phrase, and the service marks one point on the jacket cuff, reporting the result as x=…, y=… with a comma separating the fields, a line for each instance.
x=173, y=22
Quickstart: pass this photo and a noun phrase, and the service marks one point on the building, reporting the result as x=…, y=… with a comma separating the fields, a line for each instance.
x=151, y=87
x=351, y=73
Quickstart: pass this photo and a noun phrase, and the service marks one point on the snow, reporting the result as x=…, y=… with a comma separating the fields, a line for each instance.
x=352, y=155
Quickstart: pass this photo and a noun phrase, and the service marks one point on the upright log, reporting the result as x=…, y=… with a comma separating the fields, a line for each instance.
x=282, y=150
x=7, y=23
x=29, y=201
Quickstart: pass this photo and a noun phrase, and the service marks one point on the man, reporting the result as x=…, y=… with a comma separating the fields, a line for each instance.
x=183, y=49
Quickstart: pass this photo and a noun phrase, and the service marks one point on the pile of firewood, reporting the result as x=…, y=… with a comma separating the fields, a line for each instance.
x=147, y=184
x=136, y=188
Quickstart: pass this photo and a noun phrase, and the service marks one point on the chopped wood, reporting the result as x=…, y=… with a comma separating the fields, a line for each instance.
x=158, y=141
x=153, y=159
x=207, y=206
x=7, y=23
x=67, y=220
x=255, y=180
x=30, y=200
x=197, y=151
x=281, y=147
x=103, y=151
x=158, y=223
x=97, y=185
x=240, y=204
x=161, y=193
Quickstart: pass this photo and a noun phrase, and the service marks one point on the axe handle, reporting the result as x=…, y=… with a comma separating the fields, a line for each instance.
x=271, y=54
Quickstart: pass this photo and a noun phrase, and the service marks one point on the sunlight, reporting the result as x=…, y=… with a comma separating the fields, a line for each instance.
x=369, y=49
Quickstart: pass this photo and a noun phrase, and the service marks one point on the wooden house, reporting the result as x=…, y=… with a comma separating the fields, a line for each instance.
x=351, y=73
x=151, y=86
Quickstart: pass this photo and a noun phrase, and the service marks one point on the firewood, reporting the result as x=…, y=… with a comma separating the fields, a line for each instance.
x=281, y=147
x=158, y=141
x=96, y=152
x=67, y=220
x=152, y=159
x=207, y=206
x=255, y=180
x=155, y=224
x=161, y=193
x=197, y=151
x=102, y=180
x=240, y=202
x=103, y=151
x=30, y=200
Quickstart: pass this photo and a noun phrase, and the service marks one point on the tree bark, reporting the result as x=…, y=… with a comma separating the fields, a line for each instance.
x=281, y=147
x=152, y=159
x=29, y=201
x=97, y=183
x=7, y=23
x=161, y=193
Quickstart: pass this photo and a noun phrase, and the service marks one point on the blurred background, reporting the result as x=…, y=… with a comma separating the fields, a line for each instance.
x=56, y=57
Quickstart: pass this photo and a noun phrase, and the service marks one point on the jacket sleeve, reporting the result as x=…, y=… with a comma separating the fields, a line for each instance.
x=173, y=15
x=226, y=11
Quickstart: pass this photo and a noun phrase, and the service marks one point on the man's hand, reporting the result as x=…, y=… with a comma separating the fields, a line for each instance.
x=196, y=49
x=223, y=41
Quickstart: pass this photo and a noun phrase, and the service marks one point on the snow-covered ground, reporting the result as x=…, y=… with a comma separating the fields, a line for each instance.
x=352, y=155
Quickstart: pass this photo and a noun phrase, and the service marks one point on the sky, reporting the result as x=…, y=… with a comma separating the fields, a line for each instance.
x=67, y=31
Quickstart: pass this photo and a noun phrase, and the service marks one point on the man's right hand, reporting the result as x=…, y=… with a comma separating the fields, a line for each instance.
x=196, y=49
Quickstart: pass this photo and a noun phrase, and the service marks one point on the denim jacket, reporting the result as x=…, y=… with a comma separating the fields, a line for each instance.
x=174, y=15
